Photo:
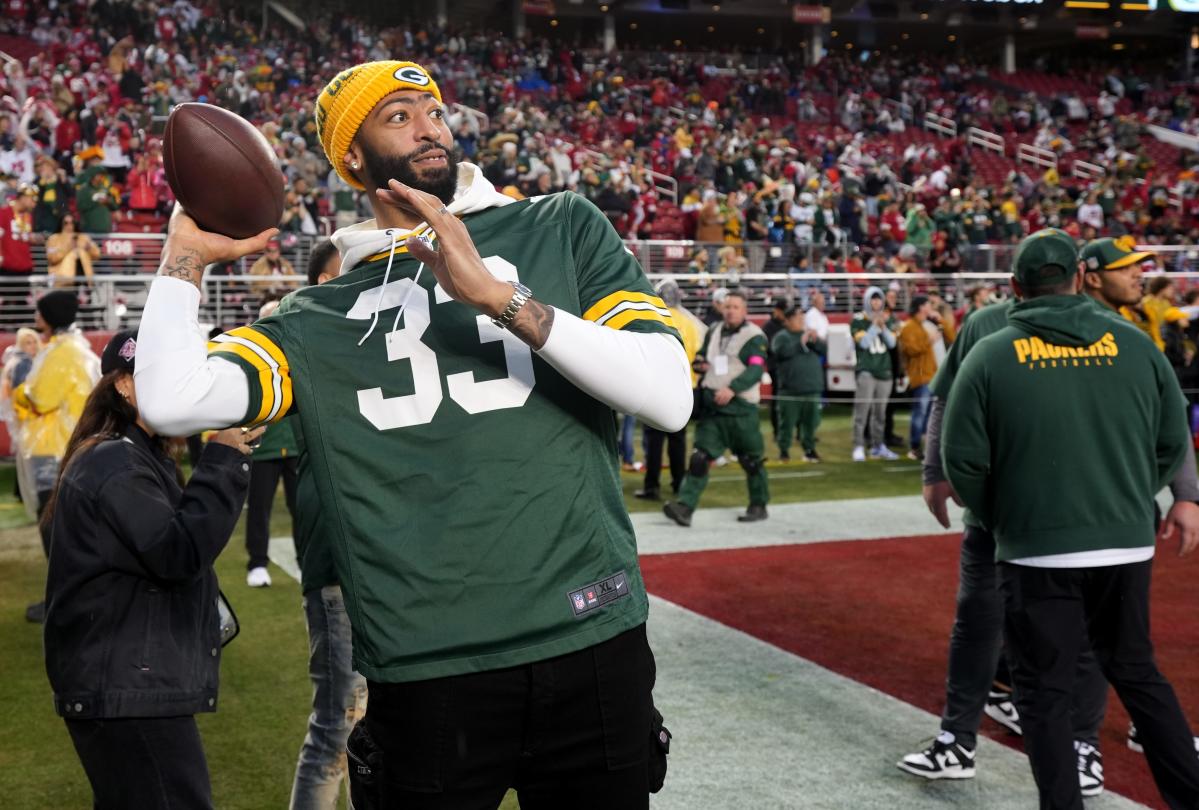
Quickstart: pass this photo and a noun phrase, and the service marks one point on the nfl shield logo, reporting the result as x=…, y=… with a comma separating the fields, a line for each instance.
x=579, y=603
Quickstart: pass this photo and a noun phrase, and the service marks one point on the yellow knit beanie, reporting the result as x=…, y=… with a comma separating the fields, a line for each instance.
x=347, y=100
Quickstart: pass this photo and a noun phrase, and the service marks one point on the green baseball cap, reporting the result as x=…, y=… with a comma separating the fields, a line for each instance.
x=1112, y=254
x=1044, y=257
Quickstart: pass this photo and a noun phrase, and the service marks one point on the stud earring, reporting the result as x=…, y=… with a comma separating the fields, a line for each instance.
x=354, y=165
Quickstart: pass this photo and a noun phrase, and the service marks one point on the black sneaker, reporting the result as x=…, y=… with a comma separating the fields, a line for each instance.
x=678, y=512
x=648, y=494
x=944, y=759
x=784, y=457
x=36, y=613
x=755, y=512
x=1001, y=709
x=812, y=457
x=895, y=441
x=1090, y=768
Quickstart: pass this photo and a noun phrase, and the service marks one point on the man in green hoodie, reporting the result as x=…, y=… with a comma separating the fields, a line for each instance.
x=975, y=665
x=1030, y=445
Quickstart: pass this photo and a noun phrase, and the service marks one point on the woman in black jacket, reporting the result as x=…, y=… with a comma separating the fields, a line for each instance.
x=132, y=632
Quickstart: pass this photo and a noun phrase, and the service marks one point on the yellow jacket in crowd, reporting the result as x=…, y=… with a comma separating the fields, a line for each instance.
x=50, y=400
x=1153, y=314
x=692, y=331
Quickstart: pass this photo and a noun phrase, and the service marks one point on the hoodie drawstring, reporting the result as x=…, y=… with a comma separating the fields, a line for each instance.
x=383, y=290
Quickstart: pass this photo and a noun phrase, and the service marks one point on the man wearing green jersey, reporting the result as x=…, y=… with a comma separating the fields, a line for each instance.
x=460, y=433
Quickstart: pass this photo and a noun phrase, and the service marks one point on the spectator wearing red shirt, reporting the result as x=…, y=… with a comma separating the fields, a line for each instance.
x=16, y=255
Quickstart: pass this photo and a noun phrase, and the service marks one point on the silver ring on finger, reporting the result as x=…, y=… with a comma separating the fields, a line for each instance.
x=443, y=210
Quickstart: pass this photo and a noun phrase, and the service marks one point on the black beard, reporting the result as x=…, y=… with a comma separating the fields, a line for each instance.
x=441, y=183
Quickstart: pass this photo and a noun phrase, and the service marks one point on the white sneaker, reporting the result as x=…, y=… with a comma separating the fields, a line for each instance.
x=1090, y=769
x=883, y=452
x=1001, y=709
x=859, y=454
x=258, y=578
x=944, y=759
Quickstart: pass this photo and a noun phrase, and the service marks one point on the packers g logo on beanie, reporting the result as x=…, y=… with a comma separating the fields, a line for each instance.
x=348, y=99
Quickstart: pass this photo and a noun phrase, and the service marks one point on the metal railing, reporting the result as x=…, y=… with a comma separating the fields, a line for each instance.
x=986, y=140
x=1087, y=171
x=940, y=124
x=1027, y=153
x=765, y=271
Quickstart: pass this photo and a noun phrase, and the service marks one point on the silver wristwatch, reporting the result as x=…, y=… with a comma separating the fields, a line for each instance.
x=520, y=296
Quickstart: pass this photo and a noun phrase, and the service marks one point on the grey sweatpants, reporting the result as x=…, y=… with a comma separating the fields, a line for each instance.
x=869, y=400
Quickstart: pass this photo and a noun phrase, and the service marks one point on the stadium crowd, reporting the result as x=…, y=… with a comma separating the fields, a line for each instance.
x=781, y=153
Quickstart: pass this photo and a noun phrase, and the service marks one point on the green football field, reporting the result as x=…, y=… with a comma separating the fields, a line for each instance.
x=253, y=739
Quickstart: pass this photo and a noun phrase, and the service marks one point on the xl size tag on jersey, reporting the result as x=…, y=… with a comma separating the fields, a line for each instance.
x=598, y=594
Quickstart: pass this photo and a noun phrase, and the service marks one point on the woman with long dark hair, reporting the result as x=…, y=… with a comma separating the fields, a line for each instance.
x=132, y=632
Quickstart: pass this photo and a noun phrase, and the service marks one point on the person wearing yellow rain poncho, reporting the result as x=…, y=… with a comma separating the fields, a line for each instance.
x=48, y=404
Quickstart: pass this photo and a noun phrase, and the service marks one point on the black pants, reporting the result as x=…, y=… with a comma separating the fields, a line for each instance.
x=571, y=731
x=1044, y=609
x=264, y=480
x=150, y=764
x=976, y=651
x=676, y=448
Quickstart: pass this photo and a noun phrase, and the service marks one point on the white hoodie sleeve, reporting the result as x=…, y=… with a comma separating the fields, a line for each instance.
x=180, y=389
x=645, y=375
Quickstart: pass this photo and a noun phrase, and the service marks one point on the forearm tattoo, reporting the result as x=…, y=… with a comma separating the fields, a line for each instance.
x=185, y=265
x=533, y=323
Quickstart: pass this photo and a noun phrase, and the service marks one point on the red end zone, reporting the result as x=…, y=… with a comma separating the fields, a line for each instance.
x=879, y=611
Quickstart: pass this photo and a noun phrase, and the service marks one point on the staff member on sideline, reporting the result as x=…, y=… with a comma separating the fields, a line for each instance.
x=1059, y=430
x=132, y=632
x=732, y=360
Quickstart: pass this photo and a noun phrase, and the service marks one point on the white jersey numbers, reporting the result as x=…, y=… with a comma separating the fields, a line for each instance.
x=419, y=407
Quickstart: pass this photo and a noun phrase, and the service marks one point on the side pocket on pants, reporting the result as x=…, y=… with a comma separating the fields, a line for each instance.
x=365, y=761
x=624, y=675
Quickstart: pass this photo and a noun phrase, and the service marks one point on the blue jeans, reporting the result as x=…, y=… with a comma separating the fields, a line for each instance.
x=922, y=399
x=338, y=702
x=627, y=425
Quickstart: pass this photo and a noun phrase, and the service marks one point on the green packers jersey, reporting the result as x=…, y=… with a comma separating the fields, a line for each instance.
x=472, y=493
x=876, y=358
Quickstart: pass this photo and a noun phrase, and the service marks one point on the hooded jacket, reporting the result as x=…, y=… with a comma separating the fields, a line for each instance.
x=1060, y=428
x=872, y=342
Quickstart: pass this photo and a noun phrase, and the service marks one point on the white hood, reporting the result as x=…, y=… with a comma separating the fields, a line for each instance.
x=474, y=193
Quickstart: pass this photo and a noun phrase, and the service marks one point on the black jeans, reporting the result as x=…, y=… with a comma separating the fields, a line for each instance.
x=1044, y=609
x=264, y=480
x=976, y=651
x=571, y=731
x=677, y=450
x=148, y=763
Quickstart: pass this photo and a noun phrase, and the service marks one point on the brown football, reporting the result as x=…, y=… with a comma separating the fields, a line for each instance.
x=222, y=170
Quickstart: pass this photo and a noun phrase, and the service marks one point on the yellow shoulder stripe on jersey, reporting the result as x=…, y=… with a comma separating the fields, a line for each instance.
x=621, y=308
x=264, y=356
x=622, y=319
x=402, y=248
x=597, y=311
